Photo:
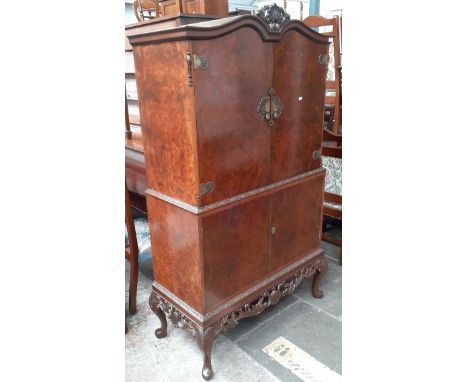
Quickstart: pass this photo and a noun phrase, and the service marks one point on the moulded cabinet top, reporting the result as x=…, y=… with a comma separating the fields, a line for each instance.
x=163, y=22
x=219, y=27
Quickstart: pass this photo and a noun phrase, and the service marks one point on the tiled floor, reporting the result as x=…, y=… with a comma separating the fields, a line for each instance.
x=311, y=324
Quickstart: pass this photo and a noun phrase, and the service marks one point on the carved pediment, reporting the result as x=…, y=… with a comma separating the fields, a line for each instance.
x=274, y=16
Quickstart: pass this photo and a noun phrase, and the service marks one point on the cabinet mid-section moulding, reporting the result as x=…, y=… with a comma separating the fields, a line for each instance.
x=231, y=114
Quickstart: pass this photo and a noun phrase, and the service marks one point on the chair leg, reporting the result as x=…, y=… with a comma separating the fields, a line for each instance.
x=324, y=225
x=133, y=286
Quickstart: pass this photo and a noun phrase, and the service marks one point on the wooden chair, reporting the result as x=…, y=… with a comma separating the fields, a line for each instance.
x=137, y=245
x=135, y=173
x=328, y=117
x=333, y=82
x=146, y=9
x=131, y=252
x=128, y=132
x=332, y=162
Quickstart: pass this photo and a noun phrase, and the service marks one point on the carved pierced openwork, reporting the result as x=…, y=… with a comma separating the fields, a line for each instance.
x=205, y=336
x=274, y=16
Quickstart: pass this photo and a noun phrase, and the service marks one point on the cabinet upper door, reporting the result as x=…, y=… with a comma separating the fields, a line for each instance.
x=233, y=141
x=299, y=70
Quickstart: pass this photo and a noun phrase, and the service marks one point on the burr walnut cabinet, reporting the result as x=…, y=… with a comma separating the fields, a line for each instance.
x=231, y=114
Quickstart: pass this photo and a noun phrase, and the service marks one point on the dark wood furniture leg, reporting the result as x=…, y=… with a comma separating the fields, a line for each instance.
x=154, y=305
x=318, y=276
x=128, y=132
x=133, y=286
x=131, y=253
x=248, y=307
x=205, y=339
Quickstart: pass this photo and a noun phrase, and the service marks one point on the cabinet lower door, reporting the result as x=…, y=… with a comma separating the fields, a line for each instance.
x=296, y=220
x=236, y=249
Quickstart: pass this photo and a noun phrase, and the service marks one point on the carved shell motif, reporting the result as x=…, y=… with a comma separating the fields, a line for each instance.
x=274, y=16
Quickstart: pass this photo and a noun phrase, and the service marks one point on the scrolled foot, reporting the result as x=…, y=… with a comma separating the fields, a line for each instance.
x=207, y=372
x=317, y=293
x=322, y=269
x=161, y=332
x=154, y=304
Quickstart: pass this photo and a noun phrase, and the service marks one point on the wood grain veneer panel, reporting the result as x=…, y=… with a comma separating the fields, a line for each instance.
x=299, y=80
x=233, y=141
x=296, y=214
x=167, y=119
x=175, y=251
x=236, y=249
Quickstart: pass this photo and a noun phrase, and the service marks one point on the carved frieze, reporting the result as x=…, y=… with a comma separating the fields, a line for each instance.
x=267, y=299
x=206, y=335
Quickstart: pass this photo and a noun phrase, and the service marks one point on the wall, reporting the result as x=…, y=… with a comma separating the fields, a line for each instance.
x=330, y=8
x=129, y=15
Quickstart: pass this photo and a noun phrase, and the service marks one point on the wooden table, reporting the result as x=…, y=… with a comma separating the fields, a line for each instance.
x=135, y=171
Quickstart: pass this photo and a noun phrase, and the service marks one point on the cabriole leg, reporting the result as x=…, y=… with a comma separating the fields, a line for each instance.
x=162, y=331
x=317, y=278
x=205, y=339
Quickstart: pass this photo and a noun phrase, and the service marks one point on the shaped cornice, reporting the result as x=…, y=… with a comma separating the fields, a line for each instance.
x=220, y=27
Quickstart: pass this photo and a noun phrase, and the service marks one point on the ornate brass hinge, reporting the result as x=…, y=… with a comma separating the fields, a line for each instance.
x=195, y=61
x=324, y=58
x=205, y=188
x=270, y=107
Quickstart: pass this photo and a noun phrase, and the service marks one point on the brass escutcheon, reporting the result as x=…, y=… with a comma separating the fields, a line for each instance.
x=270, y=107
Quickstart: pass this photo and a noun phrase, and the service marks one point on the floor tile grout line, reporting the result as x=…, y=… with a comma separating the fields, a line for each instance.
x=318, y=308
x=328, y=313
x=332, y=258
